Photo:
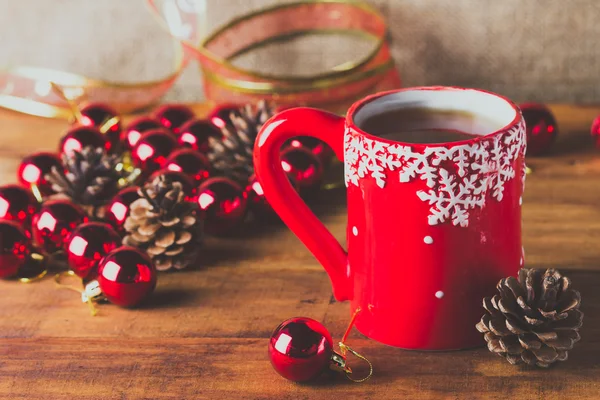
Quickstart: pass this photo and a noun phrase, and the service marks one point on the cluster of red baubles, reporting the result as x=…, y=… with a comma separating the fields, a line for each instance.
x=171, y=141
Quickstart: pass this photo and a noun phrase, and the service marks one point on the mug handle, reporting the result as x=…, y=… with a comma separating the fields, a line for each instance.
x=285, y=200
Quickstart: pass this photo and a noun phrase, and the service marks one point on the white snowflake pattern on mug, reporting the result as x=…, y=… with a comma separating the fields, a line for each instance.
x=481, y=168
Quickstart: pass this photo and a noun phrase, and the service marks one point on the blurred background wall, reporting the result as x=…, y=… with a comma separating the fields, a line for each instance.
x=543, y=50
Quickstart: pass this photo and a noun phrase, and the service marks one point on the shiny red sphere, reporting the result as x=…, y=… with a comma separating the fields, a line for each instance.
x=302, y=166
x=173, y=116
x=319, y=148
x=97, y=114
x=88, y=243
x=136, y=128
x=176, y=176
x=195, y=134
x=14, y=248
x=596, y=131
x=190, y=162
x=54, y=223
x=152, y=150
x=541, y=128
x=223, y=205
x=300, y=349
x=17, y=204
x=79, y=137
x=126, y=276
x=257, y=201
x=220, y=116
x=34, y=168
x=118, y=209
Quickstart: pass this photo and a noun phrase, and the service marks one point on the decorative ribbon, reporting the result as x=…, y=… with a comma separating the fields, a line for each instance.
x=29, y=89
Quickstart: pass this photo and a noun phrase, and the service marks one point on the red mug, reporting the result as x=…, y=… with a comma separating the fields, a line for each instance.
x=431, y=227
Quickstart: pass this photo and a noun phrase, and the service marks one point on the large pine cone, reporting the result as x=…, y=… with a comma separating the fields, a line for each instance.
x=164, y=224
x=89, y=178
x=232, y=155
x=534, y=320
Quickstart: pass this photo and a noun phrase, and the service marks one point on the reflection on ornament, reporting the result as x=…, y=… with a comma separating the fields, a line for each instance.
x=86, y=246
x=34, y=168
x=195, y=134
x=97, y=115
x=173, y=116
x=222, y=204
x=191, y=163
x=17, y=204
x=300, y=349
x=151, y=151
x=82, y=136
x=14, y=248
x=53, y=224
x=302, y=166
x=134, y=130
x=117, y=210
x=541, y=128
x=126, y=276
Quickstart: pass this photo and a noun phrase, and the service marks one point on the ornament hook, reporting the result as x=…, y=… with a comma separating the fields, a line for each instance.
x=339, y=360
x=108, y=124
x=58, y=278
x=344, y=348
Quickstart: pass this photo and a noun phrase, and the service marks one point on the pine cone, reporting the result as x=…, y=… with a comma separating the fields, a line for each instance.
x=89, y=178
x=164, y=224
x=232, y=156
x=534, y=320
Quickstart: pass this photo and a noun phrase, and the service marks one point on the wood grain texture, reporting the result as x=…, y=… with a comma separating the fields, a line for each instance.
x=203, y=335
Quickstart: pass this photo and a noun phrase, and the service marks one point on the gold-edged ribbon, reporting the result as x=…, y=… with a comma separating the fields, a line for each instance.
x=29, y=89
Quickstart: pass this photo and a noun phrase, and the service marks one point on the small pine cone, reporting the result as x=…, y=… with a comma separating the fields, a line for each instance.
x=534, y=319
x=232, y=155
x=89, y=178
x=164, y=224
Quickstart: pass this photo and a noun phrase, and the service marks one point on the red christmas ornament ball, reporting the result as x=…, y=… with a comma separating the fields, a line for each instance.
x=300, y=349
x=14, y=248
x=220, y=115
x=319, y=148
x=257, y=201
x=190, y=162
x=82, y=136
x=173, y=116
x=596, y=131
x=88, y=243
x=118, y=209
x=126, y=276
x=302, y=166
x=54, y=223
x=136, y=128
x=176, y=176
x=97, y=114
x=151, y=151
x=34, y=168
x=195, y=134
x=222, y=203
x=541, y=128
x=17, y=204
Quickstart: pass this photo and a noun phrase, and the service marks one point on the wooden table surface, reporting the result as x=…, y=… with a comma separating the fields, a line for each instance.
x=203, y=335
